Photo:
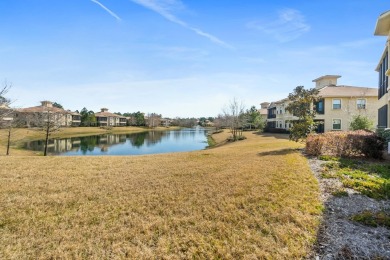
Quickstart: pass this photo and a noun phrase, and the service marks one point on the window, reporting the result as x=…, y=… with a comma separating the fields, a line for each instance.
x=272, y=112
x=336, y=103
x=383, y=79
x=336, y=124
x=271, y=124
x=320, y=107
x=382, y=117
x=361, y=103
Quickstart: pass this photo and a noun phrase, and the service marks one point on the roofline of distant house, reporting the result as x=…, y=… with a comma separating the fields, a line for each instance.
x=326, y=76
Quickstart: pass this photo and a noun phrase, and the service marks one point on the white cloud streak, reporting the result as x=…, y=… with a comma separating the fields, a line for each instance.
x=164, y=8
x=289, y=26
x=107, y=10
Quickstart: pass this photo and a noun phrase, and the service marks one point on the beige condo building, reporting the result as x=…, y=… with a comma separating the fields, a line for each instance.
x=31, y=116
x=382, y=28
x=338, y=105
x=105, y=118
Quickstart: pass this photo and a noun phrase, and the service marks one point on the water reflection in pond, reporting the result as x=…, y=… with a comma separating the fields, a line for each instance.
x=126, y=144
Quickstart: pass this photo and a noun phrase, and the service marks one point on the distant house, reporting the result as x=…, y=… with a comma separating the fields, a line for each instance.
x=208, y=123
x=335, y=110
x=264, y=110
x=28, y=116
x=76, y=118
x=277, y=116
x=6, y=115
x=166, y=122
x=105, y=118
x=382, y=28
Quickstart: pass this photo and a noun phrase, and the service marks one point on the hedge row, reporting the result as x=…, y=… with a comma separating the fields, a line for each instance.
x=346, y=144
x=276, y=130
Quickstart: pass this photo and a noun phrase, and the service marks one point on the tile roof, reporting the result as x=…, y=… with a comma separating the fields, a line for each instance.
x=326, y=76
x=40, y=109
x=348, y=91
x=106, y=114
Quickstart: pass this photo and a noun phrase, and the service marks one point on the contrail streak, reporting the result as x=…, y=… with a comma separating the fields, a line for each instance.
x=164, y=12
x=107, y=10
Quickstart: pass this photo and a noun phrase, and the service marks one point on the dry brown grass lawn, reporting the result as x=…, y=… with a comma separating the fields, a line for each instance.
x=250, y=199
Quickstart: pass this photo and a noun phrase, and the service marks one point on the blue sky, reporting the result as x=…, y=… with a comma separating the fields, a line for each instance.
x=182, y=58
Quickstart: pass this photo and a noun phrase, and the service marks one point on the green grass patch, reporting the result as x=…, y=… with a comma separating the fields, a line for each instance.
x=369, y=178
x=210, y=141
x=340, y=193
x=327, y=158
x=373, y=219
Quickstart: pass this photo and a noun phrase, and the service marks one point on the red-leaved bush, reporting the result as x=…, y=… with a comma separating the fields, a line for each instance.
x=346, y=144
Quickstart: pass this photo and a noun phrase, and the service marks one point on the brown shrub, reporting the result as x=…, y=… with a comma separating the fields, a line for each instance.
x=314, y=144
x=346, y=144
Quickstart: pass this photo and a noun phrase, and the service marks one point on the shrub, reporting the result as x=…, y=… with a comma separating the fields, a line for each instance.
x=360, y=122
x=346, y=144
x=276, y=130
x=385, y=134
x=314, y=144
x=237, y=138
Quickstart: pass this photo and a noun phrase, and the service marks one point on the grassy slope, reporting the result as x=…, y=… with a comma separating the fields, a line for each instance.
x=251, y=199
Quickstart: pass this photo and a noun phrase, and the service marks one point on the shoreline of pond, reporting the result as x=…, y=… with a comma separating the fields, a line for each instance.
x=22, y=135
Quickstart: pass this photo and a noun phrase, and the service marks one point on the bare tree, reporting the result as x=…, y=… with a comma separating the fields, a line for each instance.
x=11, y=123
x=184, y=122
x=234, y=116
x=153, y=120
x=4, y=90
x=220, y=122
x=6, y=113
x=48, y=121
x=45, y=118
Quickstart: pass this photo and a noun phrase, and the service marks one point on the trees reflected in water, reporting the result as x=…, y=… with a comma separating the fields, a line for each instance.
x=89, y=144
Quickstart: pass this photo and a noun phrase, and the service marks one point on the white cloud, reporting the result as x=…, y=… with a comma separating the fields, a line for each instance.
x=165, y=8
x=289, y=25
x=107, y=10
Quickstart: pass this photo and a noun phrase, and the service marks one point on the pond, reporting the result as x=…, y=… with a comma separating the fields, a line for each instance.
x=151, y=142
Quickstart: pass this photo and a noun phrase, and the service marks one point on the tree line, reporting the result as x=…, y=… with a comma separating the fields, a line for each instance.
x=233, y=117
